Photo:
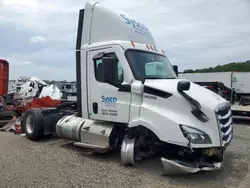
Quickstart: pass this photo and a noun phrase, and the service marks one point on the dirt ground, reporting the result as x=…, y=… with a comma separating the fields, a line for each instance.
x=56, y=163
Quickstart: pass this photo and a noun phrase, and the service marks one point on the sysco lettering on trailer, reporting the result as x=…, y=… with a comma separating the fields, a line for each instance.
x=138, y=27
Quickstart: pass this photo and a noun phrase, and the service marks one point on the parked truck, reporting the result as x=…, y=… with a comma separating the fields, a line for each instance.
x=238, y=81
x=4, y=82
x=4, y=76
x=233, y=86
x=4, y=79
x=125, y=106
x=69, y=90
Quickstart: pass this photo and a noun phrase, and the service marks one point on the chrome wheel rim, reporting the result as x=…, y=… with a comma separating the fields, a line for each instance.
x=30, y=124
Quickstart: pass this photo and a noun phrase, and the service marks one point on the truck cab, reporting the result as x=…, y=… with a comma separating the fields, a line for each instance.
x=130, y=98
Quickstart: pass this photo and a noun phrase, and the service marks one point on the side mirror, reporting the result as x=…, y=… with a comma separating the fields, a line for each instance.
x=109, y=68
x=183, y=86
x=175, y=67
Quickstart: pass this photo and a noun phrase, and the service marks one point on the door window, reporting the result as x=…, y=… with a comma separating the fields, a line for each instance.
x=117, y=74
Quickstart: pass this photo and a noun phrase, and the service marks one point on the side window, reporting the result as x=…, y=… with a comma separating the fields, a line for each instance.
x=116, y=72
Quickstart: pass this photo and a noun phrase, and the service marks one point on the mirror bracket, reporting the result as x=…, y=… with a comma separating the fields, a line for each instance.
x=99, y=56
x=175, y=67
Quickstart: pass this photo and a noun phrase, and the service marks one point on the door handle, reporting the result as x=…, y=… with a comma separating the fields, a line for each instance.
x=95, y=107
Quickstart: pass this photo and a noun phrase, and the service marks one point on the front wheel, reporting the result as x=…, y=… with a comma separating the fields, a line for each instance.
x=32, y=124
x=129, y=151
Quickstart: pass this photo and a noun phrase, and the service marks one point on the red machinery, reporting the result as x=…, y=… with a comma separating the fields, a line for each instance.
x=4, y=76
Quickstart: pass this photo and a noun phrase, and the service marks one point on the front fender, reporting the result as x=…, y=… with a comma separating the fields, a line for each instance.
x=170, y=134
x=147, y=125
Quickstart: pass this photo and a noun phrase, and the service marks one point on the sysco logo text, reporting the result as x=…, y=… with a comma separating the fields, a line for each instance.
x=133, y=22
x=109, y=99
x=139, y=28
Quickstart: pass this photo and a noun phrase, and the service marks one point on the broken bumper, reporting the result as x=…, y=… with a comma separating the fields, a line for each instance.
x=174, y=167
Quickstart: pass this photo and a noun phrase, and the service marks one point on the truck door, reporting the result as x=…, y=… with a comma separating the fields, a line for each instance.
x=106, y=101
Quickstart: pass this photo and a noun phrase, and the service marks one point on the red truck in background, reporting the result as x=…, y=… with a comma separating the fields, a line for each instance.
x=4, y=76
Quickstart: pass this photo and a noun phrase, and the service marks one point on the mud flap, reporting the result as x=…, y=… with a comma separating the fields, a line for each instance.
x=173, y=167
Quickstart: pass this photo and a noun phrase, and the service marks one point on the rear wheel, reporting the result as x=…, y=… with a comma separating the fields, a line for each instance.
x=32, y=124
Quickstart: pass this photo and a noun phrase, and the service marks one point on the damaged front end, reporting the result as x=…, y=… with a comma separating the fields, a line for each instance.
x=174, y=167
x=193, y=160
x=187, y=161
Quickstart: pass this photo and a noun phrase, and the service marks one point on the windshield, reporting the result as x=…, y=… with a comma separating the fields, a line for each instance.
x=147, y=65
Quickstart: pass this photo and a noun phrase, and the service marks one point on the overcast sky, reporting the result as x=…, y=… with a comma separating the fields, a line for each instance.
x=38, y=37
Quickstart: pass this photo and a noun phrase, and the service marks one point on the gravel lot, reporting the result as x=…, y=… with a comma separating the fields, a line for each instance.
x=56, y=163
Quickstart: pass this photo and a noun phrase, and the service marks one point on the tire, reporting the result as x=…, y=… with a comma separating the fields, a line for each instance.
x=32, y=124
x=6, y=115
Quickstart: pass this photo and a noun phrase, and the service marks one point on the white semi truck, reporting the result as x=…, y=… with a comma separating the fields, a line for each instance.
x=124, y=106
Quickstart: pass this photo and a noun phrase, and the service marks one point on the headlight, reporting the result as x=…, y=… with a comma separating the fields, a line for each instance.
x=194, y=135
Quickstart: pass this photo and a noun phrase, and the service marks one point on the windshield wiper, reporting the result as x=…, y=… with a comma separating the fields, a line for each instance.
x=171, y=78
x=153, y=77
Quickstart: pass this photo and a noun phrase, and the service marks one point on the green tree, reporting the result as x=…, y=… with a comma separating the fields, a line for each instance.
x=230, y=67
x=189, y=71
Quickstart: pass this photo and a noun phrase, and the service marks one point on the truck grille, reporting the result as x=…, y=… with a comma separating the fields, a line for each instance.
x=224, y=118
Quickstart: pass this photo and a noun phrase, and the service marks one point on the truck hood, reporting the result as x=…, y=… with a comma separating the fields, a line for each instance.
x=204, y=96
x=166, y=113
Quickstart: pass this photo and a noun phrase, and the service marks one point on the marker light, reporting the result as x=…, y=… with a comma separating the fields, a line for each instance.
x=132, y=43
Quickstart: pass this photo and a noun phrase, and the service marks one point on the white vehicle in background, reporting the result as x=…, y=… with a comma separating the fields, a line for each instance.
x=238, y=81
x=235, y=88
x=126, y=103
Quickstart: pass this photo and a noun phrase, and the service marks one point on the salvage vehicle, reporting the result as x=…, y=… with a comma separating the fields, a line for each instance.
x=123, y=106
x=33, y=87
